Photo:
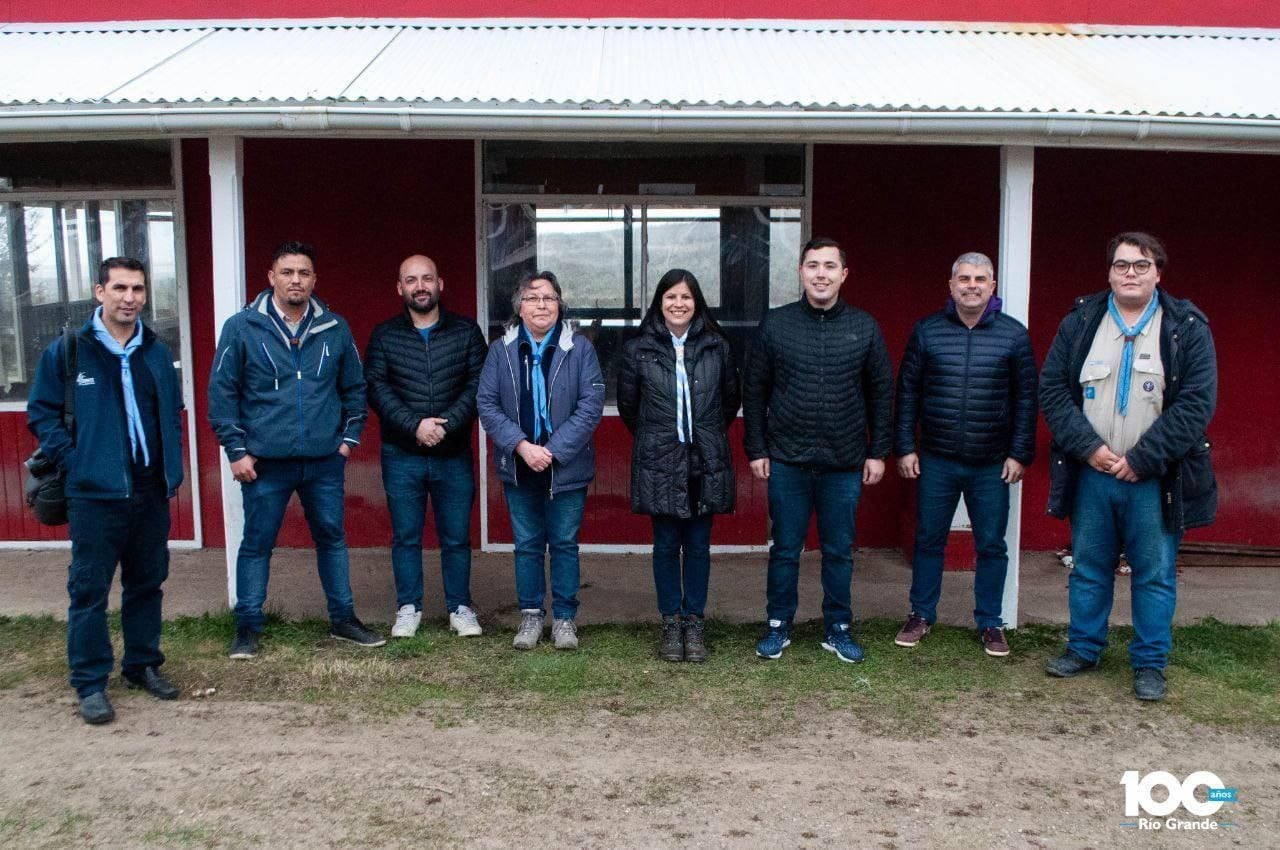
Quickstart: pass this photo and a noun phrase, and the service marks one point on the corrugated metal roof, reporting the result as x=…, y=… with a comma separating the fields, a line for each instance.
x=777, y=66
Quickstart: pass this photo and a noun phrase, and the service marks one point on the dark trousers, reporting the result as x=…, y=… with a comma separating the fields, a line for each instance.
x=681, y=588
x=133, y=533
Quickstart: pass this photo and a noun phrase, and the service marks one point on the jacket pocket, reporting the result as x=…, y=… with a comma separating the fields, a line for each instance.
x=1197, y=472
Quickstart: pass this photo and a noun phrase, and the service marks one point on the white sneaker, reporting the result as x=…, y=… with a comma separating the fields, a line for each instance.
x=564, y=634
x=407, y=620
x=464, y=622
x=530, y=632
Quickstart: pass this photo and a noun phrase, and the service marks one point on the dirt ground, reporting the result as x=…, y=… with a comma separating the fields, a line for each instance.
x=216, y=772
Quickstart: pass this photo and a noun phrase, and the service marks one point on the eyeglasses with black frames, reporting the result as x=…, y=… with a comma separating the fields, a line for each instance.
x=1138, y=266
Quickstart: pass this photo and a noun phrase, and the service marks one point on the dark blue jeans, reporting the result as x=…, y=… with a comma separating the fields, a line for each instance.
x=681, y=591
x=410, y=481
x=1109, y=517
x=539, y=524
x=133, y=533
x=986, y=497
x=319, y=485
x=795, y=494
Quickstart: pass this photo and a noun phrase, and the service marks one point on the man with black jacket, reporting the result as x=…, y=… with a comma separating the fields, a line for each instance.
x=422, y=367
x=817, y=398
x=1128, y=389
x=123, y=463
x=968, y=380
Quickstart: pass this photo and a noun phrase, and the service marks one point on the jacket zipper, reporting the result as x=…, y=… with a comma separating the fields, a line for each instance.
x=551, y=388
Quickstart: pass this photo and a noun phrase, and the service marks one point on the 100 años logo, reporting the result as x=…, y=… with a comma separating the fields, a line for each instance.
x=1137, y=795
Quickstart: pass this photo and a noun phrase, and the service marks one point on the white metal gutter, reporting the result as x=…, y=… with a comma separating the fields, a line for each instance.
x=1061, y=129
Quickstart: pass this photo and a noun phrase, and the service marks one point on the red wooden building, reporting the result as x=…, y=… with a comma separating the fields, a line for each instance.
x=611, y=149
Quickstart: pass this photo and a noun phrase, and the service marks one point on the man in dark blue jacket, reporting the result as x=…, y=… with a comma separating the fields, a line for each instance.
x=1128, y=389
x=286, y=399
x=968, y=381
x=423, y=366
x=123, y=462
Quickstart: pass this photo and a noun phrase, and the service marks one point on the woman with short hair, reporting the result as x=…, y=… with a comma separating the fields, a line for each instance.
x=540, y=398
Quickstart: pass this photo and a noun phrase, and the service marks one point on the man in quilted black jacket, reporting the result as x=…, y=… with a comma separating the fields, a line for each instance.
x=817, y=399
x=965, y=425
x=422, y=367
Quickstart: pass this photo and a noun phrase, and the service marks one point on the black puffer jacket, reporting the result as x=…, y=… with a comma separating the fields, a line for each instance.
x=409, y=381
x=972, y=391
x=1175, y=448
x=818, y=388
x=660, y=464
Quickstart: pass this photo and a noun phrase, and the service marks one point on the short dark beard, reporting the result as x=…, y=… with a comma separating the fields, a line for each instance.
x=413, y=305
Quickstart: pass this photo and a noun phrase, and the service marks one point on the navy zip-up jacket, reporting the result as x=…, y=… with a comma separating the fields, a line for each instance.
x=971, y=390
x=97, y=458
x=271, y=399
x=1175, y=449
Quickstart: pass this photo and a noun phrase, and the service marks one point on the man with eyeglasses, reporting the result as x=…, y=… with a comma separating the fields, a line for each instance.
x=968, y=383
x=422, y=367
x=287, y=403
x=1128, y=389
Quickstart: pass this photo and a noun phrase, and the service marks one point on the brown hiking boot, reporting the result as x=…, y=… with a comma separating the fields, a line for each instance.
x=672, y=646
x=993, y=642
x=695, y=648
x=912, y=630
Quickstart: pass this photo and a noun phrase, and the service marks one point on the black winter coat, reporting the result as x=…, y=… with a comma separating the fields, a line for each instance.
x=1175, y=448
x=818, y=388
x=409, y=381
x=660, y=464
x=972, y=391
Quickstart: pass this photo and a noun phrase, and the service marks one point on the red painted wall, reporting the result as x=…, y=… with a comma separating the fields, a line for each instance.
x=904, y=214
x=365, y=205
x=1218, y=215
x=1229, y=13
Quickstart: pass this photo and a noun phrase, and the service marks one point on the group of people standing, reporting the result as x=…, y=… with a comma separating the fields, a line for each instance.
x=1128, y=389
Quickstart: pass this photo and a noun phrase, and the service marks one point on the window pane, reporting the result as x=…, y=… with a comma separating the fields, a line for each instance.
x=82, y=166
x=609, y=259
x=639, y=168
x=49, y=257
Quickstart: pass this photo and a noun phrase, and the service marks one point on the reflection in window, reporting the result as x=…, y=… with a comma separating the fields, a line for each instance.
x=609, y=258
x=49, y=256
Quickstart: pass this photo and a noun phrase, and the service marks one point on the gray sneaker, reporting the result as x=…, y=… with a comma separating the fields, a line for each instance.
x=530, y=631
x=564, y=634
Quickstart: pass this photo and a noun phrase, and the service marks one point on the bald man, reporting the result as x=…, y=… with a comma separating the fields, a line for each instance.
x=422, y=367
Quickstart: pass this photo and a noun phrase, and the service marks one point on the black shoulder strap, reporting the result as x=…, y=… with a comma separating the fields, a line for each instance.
x=69, y=380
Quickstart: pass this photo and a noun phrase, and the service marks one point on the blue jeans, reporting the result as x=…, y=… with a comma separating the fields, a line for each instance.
x=681, y=592
x=133, y=533
x=1110, y=517
x=986, y=497
x=410, y=480
x=540, y=523
x=795, y=494
x=319, y=485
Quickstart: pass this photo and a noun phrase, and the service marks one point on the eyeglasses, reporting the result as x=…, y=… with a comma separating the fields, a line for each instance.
x=1138, y=266
x=539, y=300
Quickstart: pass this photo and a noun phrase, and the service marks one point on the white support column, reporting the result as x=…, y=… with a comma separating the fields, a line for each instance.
x=226, y=201
x=1017, y=173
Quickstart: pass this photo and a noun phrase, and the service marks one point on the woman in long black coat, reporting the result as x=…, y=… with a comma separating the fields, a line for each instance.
x=678, y=392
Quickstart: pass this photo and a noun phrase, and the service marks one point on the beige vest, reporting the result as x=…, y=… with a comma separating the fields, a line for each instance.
x=1099, y=380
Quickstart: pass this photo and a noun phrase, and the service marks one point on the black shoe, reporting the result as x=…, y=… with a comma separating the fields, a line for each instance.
x=152, y=682
x=355, y=632
x=1068, y=664
x=672, y=647
x=244, y=644
x=1148, y=684
x=95, y=709
x=695, y=645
